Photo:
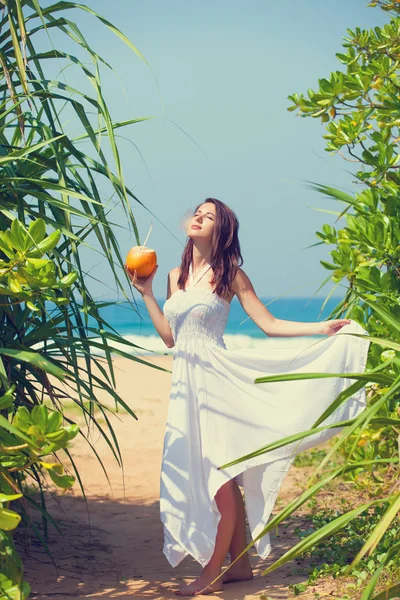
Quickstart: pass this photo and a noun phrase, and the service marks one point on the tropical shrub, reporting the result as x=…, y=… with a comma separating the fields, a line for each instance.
x=28, y=430
x=56, y=173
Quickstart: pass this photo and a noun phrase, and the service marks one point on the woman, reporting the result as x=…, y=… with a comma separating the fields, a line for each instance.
x=218, y=414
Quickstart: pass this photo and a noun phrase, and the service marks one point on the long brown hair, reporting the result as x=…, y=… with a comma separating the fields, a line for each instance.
x=225, y=250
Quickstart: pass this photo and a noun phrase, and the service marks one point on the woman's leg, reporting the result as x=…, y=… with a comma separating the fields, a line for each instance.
x=241, y=570
x=227, y=502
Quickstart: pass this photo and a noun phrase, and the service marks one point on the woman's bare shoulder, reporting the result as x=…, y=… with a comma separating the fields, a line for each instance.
x=173, y=277
x=174, y=273
x=240, y=278
x=241, y=284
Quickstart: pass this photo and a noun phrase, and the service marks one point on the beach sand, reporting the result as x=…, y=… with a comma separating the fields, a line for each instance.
x=111, y=546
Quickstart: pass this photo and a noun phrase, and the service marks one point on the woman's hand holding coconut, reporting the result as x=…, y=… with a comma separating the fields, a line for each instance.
x=141, y=266
x=142, y=284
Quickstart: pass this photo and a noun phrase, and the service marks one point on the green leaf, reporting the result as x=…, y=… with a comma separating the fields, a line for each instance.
x=36, y=359
x=9, y=497
x=18, y=233
x=62, y=481
x=36, y=233
x=15, y=286
x=39, y=416
x=32, y=306
x=24, y=415
x=72, y=431
x=46, y=245
x=68, y=279
x=54, y=421
x=8, y=398
x=9, y=519
x=38, y=263
x=35, y=432
x=17, y=54
x=327, y=265
x=59, y=437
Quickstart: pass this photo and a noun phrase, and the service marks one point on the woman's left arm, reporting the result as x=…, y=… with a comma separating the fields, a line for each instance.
x=272, y=326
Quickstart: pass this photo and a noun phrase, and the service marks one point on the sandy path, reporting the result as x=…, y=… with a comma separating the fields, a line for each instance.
x=112, y=547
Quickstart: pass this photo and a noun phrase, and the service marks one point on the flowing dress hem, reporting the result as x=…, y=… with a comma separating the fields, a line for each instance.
x=234, y=472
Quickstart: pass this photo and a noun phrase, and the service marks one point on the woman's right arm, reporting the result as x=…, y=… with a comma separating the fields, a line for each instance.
x=144, y=286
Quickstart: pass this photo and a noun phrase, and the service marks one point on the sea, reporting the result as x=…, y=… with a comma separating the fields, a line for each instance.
x=240, y=333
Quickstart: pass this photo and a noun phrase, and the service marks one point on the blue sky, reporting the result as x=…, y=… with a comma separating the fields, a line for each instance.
x=222, y=128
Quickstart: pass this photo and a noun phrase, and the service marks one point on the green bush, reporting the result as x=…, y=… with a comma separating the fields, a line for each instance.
x=58, y=174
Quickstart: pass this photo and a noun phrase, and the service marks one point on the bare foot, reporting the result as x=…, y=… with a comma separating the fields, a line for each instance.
x=201, y=586
x=239, y=572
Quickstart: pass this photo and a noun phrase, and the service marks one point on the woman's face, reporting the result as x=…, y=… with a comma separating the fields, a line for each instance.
x=201, y=224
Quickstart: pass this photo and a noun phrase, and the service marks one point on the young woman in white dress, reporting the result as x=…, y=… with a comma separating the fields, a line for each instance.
x=217, y=413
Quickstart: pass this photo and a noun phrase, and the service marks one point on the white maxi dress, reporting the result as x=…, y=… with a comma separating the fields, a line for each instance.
x=218, y=414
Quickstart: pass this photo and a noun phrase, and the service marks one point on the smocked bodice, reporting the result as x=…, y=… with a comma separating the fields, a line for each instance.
x=197, y=314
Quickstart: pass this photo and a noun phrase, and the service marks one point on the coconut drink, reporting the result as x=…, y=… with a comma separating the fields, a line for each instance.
x=142, y=259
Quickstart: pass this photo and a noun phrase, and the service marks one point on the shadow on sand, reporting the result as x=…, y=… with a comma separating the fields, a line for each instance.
x=114, y=550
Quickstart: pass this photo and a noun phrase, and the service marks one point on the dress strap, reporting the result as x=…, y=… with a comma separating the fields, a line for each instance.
x=198, y=276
